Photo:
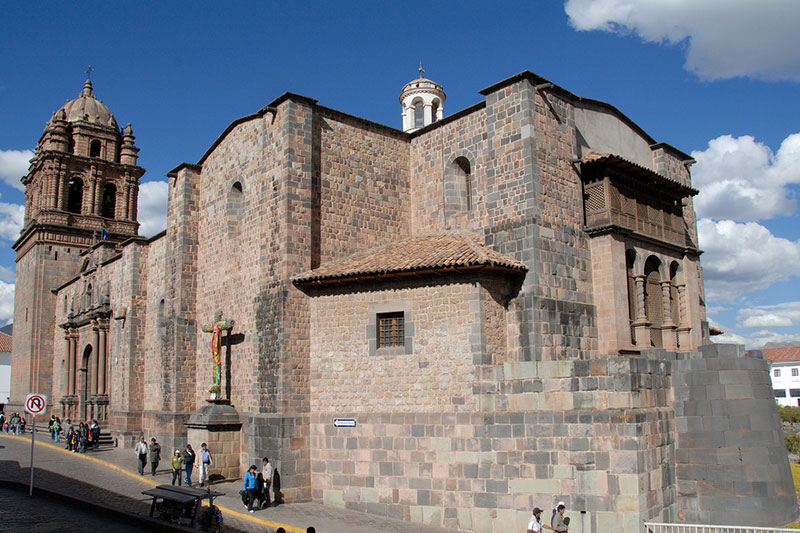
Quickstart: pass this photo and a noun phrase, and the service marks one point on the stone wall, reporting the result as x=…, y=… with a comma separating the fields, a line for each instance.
x=732, y=465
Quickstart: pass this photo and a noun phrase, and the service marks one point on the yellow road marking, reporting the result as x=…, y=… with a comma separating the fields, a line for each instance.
x=153, y=483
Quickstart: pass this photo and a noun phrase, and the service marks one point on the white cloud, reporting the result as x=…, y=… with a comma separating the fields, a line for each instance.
x=755, y=340
x=770, y=316
x=14, y=165
x=152, y=207
x=12, y=216
x=7, y=274
x=721, y=38
x=741, y=258
x=741, y=179
x=6, y=302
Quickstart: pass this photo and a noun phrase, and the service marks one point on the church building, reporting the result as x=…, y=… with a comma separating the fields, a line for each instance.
x=448, y=323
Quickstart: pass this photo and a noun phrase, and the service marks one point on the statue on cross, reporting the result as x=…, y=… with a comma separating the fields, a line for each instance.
x=216, y=328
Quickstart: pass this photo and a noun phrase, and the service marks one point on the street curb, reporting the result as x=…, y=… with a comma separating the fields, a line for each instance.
x=152, y=483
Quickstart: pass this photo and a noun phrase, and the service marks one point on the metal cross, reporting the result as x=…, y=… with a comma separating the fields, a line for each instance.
x=421, y=70
x=90, y=70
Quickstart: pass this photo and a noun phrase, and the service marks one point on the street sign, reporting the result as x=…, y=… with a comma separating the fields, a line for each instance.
x=344, y=422
x=35, y=404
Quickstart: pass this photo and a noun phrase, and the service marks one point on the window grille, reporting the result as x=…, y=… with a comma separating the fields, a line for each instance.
x=391, y=329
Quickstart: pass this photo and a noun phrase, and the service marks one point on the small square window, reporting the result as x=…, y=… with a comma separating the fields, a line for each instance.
x=794, y=393
x=780, y=393
x=391, y=329
x=776, y=372
x=795, y=372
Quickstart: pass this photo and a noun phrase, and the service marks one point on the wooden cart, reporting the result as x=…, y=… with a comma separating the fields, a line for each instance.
x=183, y=505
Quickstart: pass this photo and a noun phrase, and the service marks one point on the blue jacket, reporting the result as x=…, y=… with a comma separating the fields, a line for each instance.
x=250, y=481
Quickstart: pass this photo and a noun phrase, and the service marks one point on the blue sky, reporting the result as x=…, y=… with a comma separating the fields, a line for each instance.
x=717, y=79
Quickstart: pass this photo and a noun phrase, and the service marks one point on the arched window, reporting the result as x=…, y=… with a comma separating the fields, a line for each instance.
x=235, y=209
x=75, y=195
x=109, y=200
x=94, y=148
x=419, y=114
x=653, y=299
x=434, y=110
x=466, y=175
x=630, y=260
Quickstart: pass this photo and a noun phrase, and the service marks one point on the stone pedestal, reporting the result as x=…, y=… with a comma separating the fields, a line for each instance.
x=217, y=424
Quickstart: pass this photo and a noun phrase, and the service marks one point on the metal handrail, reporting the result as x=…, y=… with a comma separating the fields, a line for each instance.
x=661, y=527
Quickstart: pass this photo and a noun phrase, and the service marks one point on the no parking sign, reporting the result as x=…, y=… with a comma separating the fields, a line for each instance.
x=35, y=404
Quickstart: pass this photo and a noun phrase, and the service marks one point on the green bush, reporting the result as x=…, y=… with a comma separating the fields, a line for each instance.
x=789, y=414
x=793, y=443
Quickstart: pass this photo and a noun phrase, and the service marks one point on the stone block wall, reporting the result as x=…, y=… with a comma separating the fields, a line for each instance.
x=732, y=466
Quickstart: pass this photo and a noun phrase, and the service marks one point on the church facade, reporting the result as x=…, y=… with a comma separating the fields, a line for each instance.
x=449, y=324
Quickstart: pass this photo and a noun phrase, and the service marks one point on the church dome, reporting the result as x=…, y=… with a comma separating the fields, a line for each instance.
x=87, y=108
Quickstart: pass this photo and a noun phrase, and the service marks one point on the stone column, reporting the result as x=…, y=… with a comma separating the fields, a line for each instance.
x=684, y=329
x=73, y=361
x=93, y=362
x=641, y=326
x=102, y=357
x=70, y=356
x=668, y=328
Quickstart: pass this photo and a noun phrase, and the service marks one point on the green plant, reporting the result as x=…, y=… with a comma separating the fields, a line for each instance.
x=793, y=443
x=789, y=414
x=214, y=389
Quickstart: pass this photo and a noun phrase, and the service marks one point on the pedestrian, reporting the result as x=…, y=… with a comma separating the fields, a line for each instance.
x=57, y=429
x=94, y=431
x=205, y=463
x=560, y=522
x=535, y=525
x=555, y=512
x=155, y=455
x=72, y=440
x=176, y=462
x=67, y=432
x=188, y=463
x=249, y=488
x=83, y=436
x=141, y=453
x=266, y=475
x=50, y=427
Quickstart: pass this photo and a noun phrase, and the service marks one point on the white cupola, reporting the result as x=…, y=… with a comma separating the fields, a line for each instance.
x=422, y=101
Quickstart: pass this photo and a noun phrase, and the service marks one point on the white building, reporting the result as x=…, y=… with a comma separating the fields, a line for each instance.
x=784, y=370
x=5, y=369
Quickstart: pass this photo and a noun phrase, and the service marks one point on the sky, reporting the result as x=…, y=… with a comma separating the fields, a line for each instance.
x=717, y=79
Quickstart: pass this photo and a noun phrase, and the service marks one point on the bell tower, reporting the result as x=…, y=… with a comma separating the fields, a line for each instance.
x=422, y=100
x=81, y=189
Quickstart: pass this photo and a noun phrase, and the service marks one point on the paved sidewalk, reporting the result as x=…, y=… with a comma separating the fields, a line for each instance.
x=108, y=477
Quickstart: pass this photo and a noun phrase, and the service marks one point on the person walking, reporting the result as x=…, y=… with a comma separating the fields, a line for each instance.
x=205, y=463
x=83, y=436
x=94, y=431
x=560, y=522
x=249, y=488
x=57, y=429
x=67, y=433
x=176, y=462
x=188, y=463
x=50, y=427
x=141, y=453
x=266, y=474
x=155, y=455
x=535, y=525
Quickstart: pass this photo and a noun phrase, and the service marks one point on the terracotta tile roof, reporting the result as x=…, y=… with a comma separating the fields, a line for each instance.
x=5, y=342
x=424, y=254
x=787, y=353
